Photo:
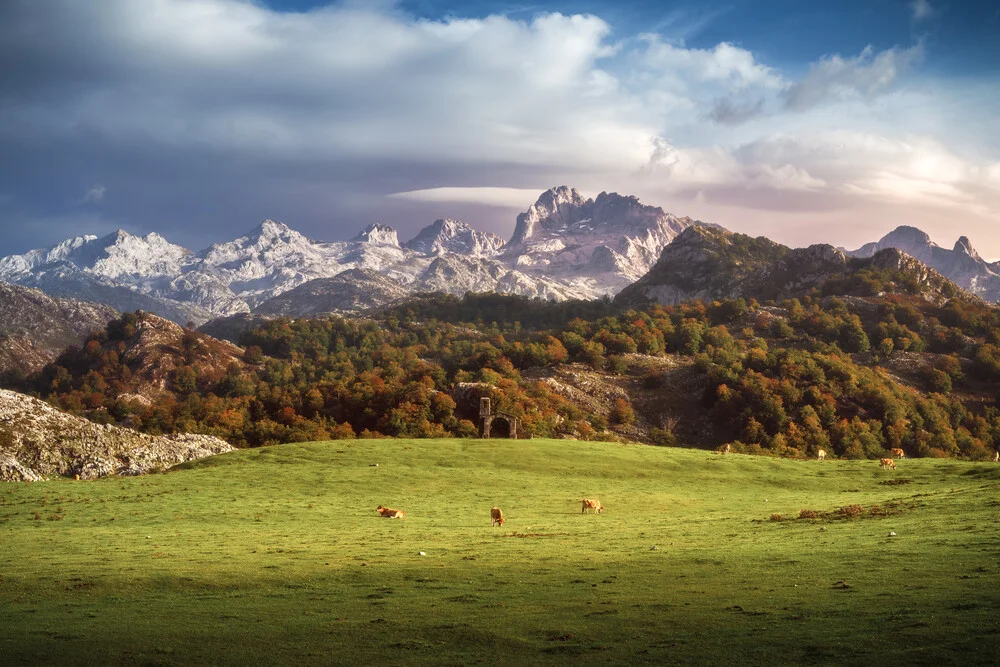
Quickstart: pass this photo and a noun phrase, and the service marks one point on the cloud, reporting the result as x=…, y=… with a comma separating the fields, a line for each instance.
x=486, y=196
x=867, y=76
x=921, y=10
x=204, y=116
x=93, y=195
x=733, y=112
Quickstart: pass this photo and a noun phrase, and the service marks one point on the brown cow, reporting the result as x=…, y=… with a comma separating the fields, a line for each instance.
x=898, y=453
x=887, y=463
x=591, y=504
x=821, y=455
x=726, y=448
x=390, y=513
x=496, y=517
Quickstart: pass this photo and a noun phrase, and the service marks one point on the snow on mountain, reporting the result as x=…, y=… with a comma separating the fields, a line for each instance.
x=563, y=247
x=962, y=264
x=454, y=236
x=612, y=239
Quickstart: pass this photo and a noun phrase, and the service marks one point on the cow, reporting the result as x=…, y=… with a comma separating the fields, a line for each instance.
x=898, y=453
x=887, y=463
x=496, y=517
x=387, y=513
x=821, y=455
x=591, y=504
x=726, y=449
x=996, y=457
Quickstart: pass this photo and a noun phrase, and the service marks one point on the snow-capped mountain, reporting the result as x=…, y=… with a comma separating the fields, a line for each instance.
x=598, y=245
x=454, y=236
x=563, y=247
x=962, y=264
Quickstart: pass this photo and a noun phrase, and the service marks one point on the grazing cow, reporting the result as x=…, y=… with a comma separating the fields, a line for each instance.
x=591, y=504
x=887, y=463
x=390, y=513
x=821, y=455
x=496, y=517
x=898, y=453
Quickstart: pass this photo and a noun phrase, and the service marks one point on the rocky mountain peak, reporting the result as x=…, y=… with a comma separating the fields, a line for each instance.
x=910, y=240
x=378, y=234
x=554, y=208
x=964, y=246
x=449, y=235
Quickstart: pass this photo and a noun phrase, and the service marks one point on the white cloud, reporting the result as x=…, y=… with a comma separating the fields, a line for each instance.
x=867, y=76
x=486, y=196
x=363, y=97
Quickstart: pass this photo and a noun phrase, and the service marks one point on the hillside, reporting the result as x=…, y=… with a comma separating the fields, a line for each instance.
x=38, y=441
x=684, y=566
x=35, y=328
x=138, y=359
x=714, y=263
x=853, y=375
x=960, y=264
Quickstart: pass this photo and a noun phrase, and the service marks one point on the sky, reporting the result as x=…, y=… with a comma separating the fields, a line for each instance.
x=807, y=122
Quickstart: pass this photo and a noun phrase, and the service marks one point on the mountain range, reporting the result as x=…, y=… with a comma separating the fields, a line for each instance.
x=563, y=247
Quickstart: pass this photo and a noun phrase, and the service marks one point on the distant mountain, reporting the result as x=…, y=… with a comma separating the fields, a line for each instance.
x=454, y=236
x=962, y=264
x=563, y=247
x=38, y=441
x=605, y=242
x=350, y=291
x=713, y=263
x=35, y=328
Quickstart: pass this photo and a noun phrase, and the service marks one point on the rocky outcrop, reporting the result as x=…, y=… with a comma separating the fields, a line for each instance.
x=35, y=328
x=38, y=441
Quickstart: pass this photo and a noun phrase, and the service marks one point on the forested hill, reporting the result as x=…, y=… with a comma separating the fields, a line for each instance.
x=854, y=375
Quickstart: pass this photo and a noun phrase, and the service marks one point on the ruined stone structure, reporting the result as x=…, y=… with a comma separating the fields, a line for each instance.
x=505, y=425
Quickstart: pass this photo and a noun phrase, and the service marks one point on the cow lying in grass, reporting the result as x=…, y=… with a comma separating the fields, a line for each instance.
x=496, y=517
x=390, y=513
x=887, y=463
x=591, y=504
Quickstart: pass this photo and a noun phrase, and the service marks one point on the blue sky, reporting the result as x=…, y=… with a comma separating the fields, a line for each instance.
x=805, y=121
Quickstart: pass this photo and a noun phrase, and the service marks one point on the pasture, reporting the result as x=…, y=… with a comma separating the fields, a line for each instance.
x=277, y=556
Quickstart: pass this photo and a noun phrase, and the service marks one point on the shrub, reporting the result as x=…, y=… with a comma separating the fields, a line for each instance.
x=775, y=517
x=808, y=514
x=851, y=511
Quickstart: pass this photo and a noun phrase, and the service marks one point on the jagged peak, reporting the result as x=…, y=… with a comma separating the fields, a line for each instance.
x=964, y=246
x=379, y=234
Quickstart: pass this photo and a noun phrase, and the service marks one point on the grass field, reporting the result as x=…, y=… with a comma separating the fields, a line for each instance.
x=277, y=555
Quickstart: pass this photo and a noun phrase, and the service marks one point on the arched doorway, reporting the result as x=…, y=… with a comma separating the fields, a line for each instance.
x=500, y=427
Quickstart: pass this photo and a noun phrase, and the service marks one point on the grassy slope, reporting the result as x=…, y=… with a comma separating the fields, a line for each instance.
x=277, y=555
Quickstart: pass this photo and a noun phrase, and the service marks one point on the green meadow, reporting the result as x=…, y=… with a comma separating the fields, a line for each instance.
x=276, y=555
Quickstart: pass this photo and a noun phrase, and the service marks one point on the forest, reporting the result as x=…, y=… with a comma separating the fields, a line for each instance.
x=852, y=369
